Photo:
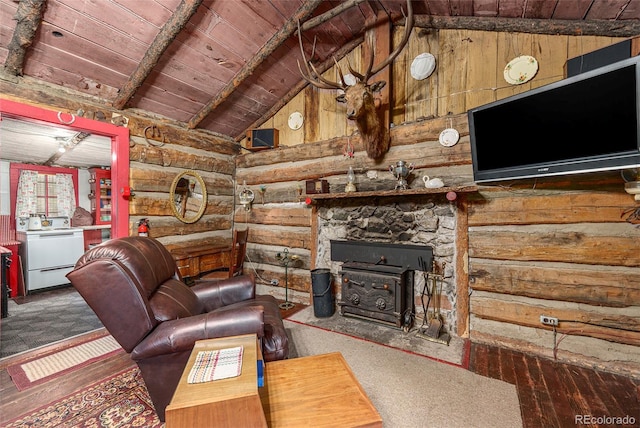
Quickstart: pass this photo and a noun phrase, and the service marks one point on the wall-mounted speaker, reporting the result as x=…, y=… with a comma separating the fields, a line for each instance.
x=601, y=57
x=261, y=139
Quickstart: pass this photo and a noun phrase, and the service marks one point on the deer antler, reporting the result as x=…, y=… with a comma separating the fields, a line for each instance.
x=318, y=81
x=316, y=78
x=408, y=27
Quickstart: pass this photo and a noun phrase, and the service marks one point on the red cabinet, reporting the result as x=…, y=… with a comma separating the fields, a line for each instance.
x=13, y=278
x=100, y=195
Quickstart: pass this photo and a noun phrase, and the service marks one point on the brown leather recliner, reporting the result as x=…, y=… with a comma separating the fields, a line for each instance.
x=134, y=287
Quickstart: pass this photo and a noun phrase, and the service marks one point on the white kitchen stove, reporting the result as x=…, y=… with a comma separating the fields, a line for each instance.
x=50, y=253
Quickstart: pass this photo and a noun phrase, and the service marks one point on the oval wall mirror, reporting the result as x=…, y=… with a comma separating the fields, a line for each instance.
x=188, y=197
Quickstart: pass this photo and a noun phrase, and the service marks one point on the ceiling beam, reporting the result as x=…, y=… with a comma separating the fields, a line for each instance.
x=276, y=40
x=170, y=30
x=70, y=144
x=619, y=28
x=28, y=17
x=320, y=19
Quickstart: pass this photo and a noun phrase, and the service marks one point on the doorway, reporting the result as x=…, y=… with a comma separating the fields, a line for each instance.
x=118, y=135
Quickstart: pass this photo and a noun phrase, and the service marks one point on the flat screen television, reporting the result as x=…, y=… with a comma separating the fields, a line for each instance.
x=588, y=122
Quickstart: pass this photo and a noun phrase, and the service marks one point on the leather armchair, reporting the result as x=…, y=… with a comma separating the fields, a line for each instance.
x=134, y=287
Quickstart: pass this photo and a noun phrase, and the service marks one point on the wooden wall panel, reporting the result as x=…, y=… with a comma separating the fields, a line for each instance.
x=421, y=96
x=600, y=244
x=550, y=64
x=593, y=285
x=284, y=216
x=482, y=69
x=550, y=207
x=622, y=326
x=451, y=71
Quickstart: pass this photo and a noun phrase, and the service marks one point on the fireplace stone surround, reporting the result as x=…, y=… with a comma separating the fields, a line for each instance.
x=428, y=220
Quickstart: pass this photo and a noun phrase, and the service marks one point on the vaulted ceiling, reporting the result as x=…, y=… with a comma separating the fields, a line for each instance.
x=228, y=65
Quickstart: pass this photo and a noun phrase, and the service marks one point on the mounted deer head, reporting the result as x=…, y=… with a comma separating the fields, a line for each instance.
x=359, y=97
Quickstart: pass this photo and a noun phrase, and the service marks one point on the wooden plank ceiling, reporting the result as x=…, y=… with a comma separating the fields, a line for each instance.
x=227, y=65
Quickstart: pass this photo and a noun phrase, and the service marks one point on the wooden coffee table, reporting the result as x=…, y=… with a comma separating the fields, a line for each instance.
x=316, y=391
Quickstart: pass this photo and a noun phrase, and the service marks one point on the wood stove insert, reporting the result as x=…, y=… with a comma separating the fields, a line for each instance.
x=377, y=280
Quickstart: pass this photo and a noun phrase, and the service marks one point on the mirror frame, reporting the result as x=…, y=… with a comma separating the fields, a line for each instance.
x=172, y=195
x=119, y=136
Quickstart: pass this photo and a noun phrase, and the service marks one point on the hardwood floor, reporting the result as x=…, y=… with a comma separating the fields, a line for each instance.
x=553, y=394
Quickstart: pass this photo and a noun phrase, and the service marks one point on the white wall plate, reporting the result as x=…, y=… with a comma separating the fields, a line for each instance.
x=520, y=70
x=296, y=120
x=422, y=66
x=449, y=137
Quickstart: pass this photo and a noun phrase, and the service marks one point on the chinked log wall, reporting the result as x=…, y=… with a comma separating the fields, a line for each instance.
x=152, y=171
x=154, y=165
x=558, y=247
x=280, y=218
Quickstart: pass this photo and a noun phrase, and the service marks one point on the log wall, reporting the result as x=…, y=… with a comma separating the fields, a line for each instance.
x=559, y=247
x=154, y=162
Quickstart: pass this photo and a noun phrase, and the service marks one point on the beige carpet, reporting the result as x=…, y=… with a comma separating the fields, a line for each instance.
x=456, y=352
x=410, y=390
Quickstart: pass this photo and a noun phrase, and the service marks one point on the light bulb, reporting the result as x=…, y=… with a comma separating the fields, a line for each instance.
x=61, y=148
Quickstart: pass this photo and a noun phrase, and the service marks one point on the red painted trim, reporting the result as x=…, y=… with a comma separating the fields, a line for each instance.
x=119, y=151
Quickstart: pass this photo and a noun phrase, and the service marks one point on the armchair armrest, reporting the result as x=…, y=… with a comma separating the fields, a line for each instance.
x=218, y=293
x=181, y=334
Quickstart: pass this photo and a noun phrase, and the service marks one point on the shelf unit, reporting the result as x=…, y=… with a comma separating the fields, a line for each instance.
x=100, y=195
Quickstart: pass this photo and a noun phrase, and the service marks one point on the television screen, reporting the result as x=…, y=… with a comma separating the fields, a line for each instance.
x=588, y=122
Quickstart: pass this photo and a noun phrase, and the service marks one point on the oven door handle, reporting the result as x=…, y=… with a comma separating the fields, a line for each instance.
x=56, y=234
x=55, y=268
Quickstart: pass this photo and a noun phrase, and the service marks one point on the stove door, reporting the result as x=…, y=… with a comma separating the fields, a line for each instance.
x=49, y=255
x=373, y=296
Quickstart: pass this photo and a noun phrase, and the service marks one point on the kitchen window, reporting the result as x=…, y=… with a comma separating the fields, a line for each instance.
x=42, y=190
x=46, y=195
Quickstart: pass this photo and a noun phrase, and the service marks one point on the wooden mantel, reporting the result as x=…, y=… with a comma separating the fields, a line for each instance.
x=392, y=193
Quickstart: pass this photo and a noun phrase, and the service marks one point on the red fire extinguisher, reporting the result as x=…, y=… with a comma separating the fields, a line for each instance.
x=143, y=227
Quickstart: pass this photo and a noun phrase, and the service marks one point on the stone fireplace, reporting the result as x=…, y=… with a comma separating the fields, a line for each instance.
x=417, y=220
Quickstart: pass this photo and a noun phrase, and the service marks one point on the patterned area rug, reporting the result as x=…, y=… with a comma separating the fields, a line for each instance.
x=46, y=367
x=119, y=401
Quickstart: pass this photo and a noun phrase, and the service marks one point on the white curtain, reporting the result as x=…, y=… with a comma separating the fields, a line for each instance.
x=66, y=195
x=27, y=197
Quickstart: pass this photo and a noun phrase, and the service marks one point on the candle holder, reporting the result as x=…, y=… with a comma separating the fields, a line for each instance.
x=285, y=259
x=246, y=196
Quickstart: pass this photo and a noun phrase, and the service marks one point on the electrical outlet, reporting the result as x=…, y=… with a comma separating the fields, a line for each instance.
x=275, y=282
x=547, y=320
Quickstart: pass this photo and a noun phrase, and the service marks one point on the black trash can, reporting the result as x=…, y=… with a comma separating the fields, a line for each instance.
x=323, y=306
